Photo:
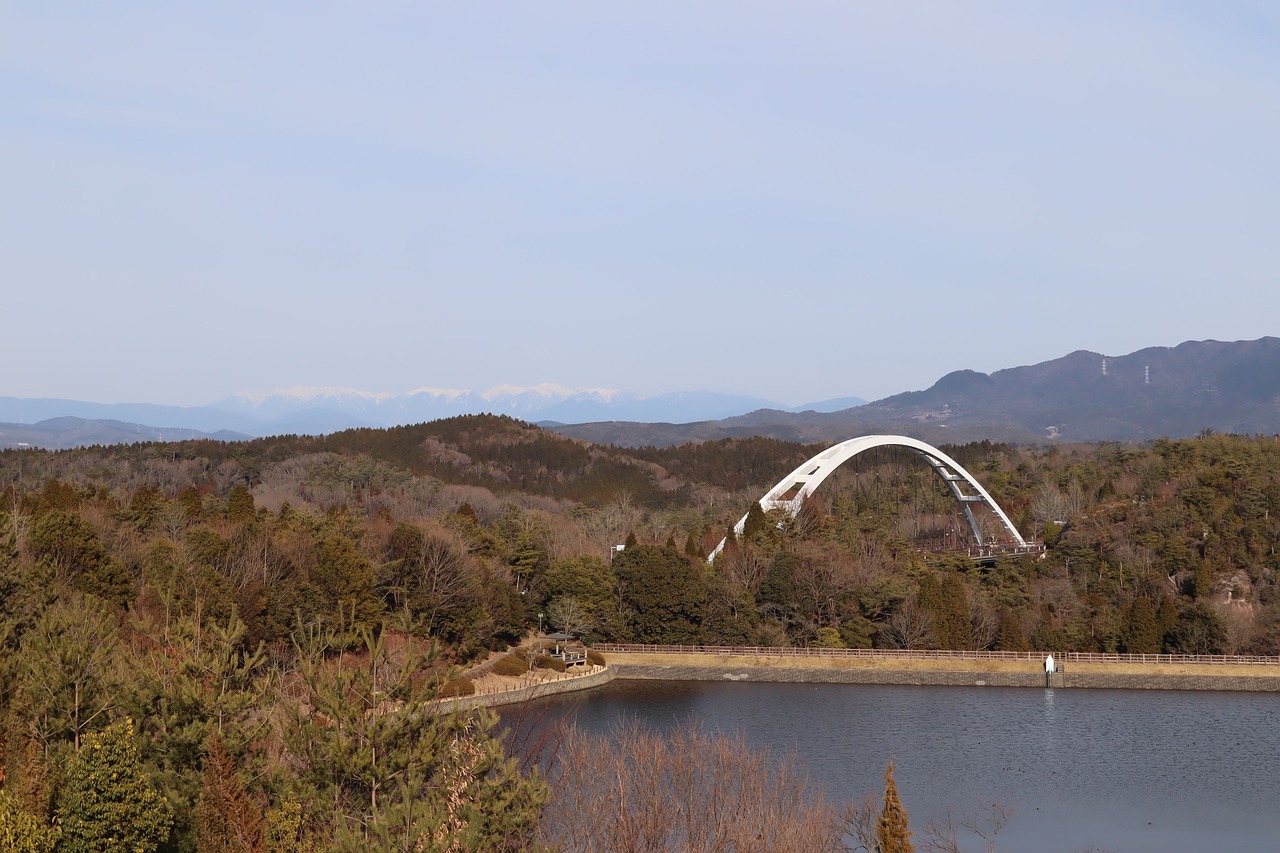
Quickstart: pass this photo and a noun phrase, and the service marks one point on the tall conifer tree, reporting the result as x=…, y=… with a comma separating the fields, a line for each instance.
x=892, y=832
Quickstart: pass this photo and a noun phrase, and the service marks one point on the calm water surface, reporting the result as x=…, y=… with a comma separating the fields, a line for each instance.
x=1117, y=769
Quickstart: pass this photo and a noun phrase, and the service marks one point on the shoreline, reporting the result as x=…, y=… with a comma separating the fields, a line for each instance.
x=552, y=687
x=926, y=671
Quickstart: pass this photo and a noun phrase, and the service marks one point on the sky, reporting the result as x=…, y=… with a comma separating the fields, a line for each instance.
x=797, y=201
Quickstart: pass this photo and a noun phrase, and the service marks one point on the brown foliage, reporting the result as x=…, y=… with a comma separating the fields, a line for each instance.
x=686, y=790
x=510, y=665
x=227, y=818
x=548, y=662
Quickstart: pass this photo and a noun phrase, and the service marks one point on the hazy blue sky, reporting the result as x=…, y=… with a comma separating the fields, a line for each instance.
x=797, y=200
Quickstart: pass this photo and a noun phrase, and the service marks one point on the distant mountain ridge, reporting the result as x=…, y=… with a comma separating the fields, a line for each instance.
x=546, y=402
x=312, y=410
x=1084, y=396
x=68, y=432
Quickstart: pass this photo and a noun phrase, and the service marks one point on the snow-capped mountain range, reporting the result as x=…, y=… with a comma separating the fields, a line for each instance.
x=320, y=407
x=313, y=410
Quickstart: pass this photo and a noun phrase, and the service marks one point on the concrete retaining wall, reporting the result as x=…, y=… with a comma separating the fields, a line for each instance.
x=953, y=673
x=523, y=694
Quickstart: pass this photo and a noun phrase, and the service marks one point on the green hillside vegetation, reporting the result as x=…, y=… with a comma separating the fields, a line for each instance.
x=240, y=605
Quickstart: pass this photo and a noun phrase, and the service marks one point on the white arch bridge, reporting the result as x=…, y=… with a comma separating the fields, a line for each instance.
x=792, y=489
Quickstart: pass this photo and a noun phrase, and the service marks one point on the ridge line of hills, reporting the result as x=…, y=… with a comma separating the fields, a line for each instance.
x=1084, y=396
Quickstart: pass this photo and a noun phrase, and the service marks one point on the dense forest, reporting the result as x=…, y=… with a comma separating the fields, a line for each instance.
x=228, y=646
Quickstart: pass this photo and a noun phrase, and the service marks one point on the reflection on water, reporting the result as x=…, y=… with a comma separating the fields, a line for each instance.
x=1119, y=769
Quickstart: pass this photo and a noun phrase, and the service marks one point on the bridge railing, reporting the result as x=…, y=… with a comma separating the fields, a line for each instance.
x=977, y=551
x=934, y=654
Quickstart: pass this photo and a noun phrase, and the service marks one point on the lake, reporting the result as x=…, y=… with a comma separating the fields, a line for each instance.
x=1121, y=770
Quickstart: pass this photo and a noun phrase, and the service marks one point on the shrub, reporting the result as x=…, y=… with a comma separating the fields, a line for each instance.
x=21, y=831
x=548, y=662
x=460, y=686
x=510, y=665
x=595, y=658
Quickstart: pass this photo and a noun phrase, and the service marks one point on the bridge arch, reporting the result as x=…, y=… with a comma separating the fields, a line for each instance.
x=803, y=481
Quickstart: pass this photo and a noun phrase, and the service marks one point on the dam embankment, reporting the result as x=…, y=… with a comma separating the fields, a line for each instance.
x=1149, y=672
x=536, y=690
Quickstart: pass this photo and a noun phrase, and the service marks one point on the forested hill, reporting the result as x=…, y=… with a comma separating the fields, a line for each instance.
x=211, y=608
x=496, y=454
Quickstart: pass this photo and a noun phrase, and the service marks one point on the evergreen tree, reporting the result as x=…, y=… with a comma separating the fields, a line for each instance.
x=631, y=541
x=1198, y=631
x=342, y=586
x=691, y=546
x=192, y=503
x=930, y=602
x=892, y=832
x=194, y=681
x=777, y=595
x=529, y=558
x=589, y=579
x=108, y=804
x=73, y=547
x=67, y=679
x=1203, y=581
x=1009, y=634
x=1141, y=632
x=381, y=766
x=1166, y=618
x=240, y=506
x=227, y=819
x=664, y=593
x=26, y=591
x=756, y=527
x=952, y=628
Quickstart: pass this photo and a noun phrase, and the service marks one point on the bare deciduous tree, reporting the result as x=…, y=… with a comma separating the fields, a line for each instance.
x=983, y=622
x=910, y=627
x=985, y=821
x=567, y=613
x=687, y=790
x=745, y=568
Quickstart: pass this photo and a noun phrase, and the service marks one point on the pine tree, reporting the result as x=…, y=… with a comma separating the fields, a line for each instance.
x=66, y=671
x=691, y=546
x=108, y=803
x=384, y=767
x=227, y=820
x=892, y=832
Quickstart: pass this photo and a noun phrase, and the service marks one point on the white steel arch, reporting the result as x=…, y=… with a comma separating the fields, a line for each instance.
x=803, y=481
